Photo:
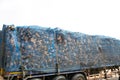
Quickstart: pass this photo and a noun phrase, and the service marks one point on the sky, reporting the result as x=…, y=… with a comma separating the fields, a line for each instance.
x=94, y=17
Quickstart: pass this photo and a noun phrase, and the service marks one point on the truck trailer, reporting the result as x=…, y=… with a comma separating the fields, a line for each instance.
x=44, y=53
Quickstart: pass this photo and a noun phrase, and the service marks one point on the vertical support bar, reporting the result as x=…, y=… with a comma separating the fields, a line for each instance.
x=56, y=46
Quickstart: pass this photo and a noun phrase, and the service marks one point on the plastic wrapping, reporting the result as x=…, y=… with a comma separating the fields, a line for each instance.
x=40, y=49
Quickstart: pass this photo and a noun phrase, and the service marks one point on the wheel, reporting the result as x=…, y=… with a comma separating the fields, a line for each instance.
x=78, y=77
x=59, y=78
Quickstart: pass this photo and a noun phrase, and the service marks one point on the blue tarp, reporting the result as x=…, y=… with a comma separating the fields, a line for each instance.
x=39, y=49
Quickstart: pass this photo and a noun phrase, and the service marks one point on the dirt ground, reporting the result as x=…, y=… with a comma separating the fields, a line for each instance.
x=1, y=78
x=110, y=76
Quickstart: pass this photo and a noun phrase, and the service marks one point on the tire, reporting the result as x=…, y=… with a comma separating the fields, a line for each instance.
x=78, y=77
x=59, y=78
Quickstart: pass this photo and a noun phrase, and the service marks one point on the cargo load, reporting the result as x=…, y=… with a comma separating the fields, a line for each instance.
x=39, y=49
x=47, y=50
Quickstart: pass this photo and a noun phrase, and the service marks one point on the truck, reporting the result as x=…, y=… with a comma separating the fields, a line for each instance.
x=44, y=53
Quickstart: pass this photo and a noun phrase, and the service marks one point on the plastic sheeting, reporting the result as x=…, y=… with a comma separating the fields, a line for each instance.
x=40, y=49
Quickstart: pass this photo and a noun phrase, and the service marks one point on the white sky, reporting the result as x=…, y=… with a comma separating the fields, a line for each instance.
x=100, y=17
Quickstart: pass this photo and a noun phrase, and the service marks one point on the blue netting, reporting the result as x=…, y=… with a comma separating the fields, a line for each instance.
x=39, y=49
x=12, y=50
